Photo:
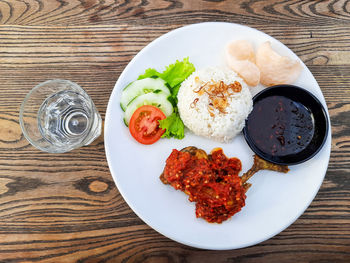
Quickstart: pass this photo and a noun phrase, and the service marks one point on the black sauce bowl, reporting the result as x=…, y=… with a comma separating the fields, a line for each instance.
x=319, y=120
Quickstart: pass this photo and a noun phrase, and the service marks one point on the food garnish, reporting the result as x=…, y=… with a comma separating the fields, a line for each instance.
x=174, y=75
x=159, y=90
x=141, y=87
x=212, y=180
x=144, y=126
x=173, y=126
x=159, y=100
x=218, y=93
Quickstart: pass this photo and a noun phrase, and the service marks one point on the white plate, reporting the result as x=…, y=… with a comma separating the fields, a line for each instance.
x=274, y=201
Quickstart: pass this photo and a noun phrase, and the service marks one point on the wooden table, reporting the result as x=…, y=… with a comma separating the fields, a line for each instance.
x=66, y=208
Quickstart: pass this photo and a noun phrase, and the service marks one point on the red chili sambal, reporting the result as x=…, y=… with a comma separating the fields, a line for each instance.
x=211, y=181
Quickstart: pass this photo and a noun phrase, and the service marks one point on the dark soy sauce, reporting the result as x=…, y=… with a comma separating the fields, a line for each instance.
x=280, y=126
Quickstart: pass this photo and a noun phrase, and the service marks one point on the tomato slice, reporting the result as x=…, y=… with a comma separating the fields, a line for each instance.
x=144, y=125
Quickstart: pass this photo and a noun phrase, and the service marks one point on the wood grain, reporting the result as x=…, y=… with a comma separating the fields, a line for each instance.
x=66, y=208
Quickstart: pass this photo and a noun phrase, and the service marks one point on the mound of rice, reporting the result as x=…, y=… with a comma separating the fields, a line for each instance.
x=196, y=109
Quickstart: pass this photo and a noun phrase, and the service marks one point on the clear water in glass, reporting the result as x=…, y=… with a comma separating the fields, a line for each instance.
x=66, y=117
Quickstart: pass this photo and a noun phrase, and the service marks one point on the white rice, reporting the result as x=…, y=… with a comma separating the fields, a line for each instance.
x=222, y=126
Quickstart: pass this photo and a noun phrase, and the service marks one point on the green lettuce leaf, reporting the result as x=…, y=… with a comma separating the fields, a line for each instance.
x=174, y=75
x=149, y=73
x=173, y=126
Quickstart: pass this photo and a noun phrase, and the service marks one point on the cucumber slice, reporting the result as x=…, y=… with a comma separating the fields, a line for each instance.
x=159, y=100
x=140, y=87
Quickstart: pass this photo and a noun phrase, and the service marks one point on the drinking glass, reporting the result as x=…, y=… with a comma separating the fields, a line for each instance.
x=58, y=116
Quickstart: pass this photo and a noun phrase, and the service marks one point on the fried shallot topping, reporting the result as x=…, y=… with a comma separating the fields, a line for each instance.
x=218, y=93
